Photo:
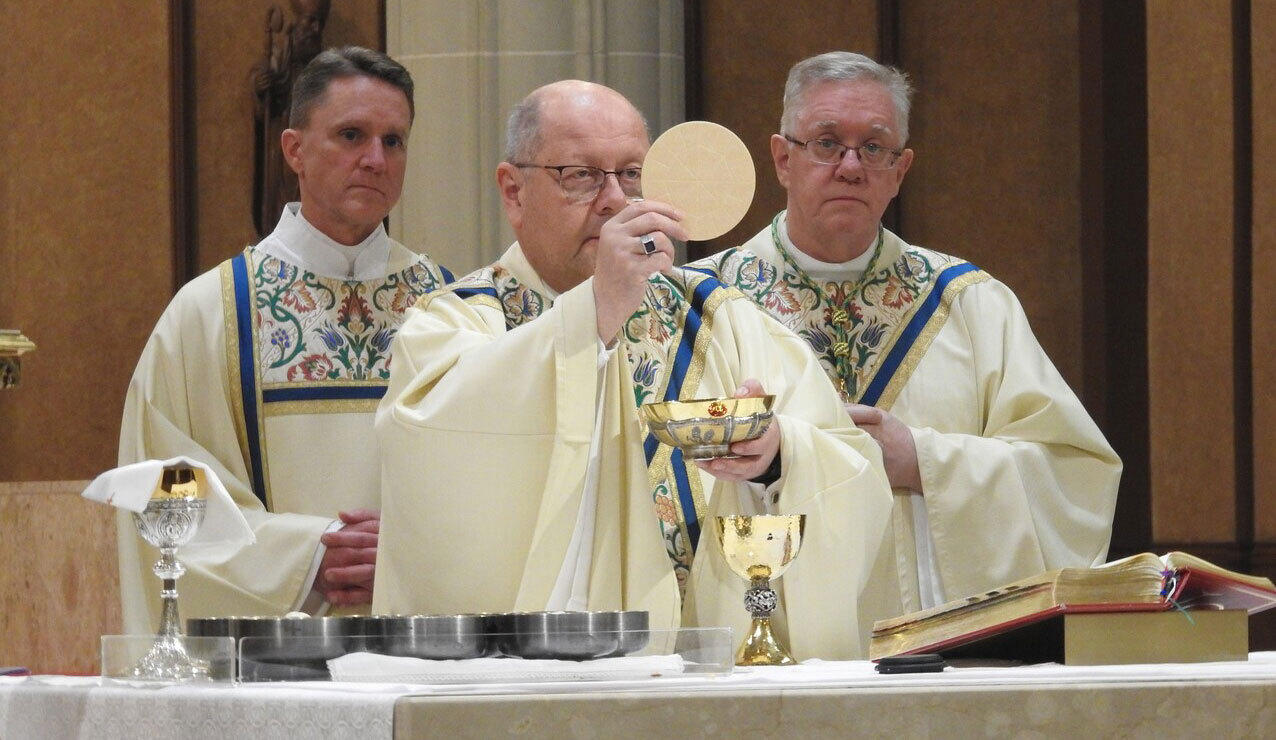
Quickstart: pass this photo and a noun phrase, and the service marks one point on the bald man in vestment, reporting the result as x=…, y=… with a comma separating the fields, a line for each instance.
x=518, y=474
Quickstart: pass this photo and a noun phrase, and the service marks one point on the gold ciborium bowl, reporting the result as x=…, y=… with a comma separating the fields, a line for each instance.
x=706, y=428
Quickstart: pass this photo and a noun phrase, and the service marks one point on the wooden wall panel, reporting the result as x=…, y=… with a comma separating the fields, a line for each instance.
x=87, y=213
x=996, y=176
x=746, y=50
x=1190, y=271
x=59, y=588
x=85, y=233
x=1263, y=307
x=229, y=38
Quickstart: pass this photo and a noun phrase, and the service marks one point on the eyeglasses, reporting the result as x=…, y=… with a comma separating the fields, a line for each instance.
x=831, y=151
x=582, y=183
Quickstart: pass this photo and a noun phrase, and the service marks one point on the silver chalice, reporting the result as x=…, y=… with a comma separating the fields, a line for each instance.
x=171, y=519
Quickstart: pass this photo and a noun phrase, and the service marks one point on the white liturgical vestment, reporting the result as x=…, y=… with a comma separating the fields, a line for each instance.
x=1017, y=478
x=268, y=368
x=497, y=393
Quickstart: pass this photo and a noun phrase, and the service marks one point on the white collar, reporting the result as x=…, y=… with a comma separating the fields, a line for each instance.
x=836, y=271
x=296, y=241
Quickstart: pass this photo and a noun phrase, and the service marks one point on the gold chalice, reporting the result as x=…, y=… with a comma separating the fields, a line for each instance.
x=706, y=428
x=171, y=519
x=759, y=548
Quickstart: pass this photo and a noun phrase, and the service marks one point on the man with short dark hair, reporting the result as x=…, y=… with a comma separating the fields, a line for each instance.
x=998, y=471
x=519, y=389
x=268, y=368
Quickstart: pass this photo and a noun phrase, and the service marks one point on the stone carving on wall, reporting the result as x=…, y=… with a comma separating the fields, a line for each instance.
x=289, y=47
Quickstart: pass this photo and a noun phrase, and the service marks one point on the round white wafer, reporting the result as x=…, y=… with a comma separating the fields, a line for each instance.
x=703, y=170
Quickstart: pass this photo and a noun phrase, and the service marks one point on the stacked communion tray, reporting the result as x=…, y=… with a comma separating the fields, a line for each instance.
x=298, y=648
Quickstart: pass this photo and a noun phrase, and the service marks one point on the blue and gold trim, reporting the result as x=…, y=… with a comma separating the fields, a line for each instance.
x=912, y=341
x=242, y=361
x=685, y=367
x=288, y=399
x=870, y=333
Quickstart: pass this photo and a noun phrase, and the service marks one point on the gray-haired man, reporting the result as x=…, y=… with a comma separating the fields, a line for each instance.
x=998, y=471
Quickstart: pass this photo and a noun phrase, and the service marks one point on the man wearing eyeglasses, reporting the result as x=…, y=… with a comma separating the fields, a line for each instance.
x=998, y=471
x=517, y=473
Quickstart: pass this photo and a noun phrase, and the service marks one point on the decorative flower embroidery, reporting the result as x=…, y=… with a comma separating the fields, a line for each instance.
x=520, y=303
x=897, y=295
x=330, y=335
x=757, y=272
x=872, y=335
x=657, y=329
x=403, y=299
x=354, y=313
x=311, y=367
x=913, y=267
x=661, y=299
x=300, y=299
x=871, y=311
x=818, y=337
x=781, y=301
x=646, y=374
x=317, y=328
x=279, y=338
x=665, y=509
x=381, y=340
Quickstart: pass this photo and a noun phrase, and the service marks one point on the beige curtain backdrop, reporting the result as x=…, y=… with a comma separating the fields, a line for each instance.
x=473, y=60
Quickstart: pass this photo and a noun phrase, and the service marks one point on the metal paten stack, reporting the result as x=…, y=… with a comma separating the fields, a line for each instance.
x=12, y=346
x=298, y=648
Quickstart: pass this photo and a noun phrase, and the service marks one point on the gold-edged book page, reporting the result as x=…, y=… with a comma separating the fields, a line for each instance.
x=1134, y=580
x=1134, y=584
x=913, y=635
x=1137, y=577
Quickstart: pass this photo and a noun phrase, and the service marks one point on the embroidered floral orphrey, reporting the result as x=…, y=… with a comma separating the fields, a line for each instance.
x=872, y=311
x=314, y=328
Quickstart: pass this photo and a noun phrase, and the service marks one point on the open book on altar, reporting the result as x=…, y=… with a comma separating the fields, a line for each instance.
x=1139, y=583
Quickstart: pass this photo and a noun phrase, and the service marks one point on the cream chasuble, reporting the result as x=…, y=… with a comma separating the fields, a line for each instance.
x=269, y=372
x=1017, y=477
x=486, y=433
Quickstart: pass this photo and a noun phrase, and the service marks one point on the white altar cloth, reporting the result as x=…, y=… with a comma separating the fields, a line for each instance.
x=69, y=708
x=860, y=674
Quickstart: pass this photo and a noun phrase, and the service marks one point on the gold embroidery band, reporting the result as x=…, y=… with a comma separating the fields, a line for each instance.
x=917, y=333
x=231, y=328
x=334, y=406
